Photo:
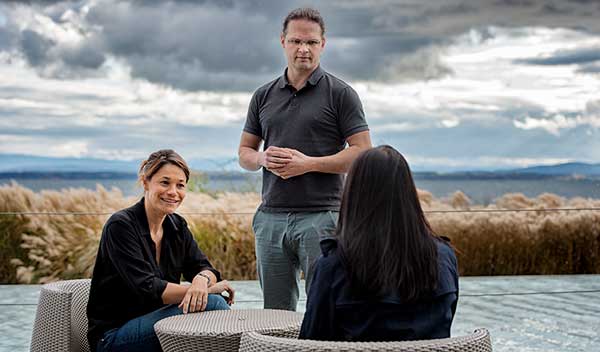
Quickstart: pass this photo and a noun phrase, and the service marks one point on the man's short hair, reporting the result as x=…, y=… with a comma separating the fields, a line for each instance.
x=304, y=13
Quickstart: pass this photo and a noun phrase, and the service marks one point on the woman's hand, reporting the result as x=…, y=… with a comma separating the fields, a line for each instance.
x=223, y=286
x=196, y=296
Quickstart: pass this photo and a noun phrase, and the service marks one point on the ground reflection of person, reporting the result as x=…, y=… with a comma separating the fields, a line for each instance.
x=305, y=118
x=386, y=276
x=144, y=250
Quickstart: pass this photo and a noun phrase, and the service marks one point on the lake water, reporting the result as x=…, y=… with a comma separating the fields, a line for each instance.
x=480, y=191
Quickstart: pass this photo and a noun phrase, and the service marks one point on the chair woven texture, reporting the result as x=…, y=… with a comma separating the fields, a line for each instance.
x=221, y=330
x=478, y=341
x=61, y=320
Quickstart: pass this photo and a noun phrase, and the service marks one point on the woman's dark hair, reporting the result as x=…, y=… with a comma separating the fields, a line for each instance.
x=386, y=244
x=160, y=158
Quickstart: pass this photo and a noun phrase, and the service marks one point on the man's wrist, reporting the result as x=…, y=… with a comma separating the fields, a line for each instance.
x=260, y=159
x=313, y=164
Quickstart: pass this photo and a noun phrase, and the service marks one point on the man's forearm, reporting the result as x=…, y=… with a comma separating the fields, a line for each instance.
x=338, y=163
x=249, y=158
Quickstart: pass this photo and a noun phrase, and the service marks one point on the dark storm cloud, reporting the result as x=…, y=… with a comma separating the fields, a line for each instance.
x=194, y=75
x=84, y=56
x=570, y=57
x=234, y=45
x=220, y=46
x=207, y=47
x=69, y=62
x=35, y=47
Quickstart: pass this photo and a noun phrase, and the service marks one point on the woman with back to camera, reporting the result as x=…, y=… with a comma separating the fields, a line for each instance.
x=386, y=276
x=144, y=250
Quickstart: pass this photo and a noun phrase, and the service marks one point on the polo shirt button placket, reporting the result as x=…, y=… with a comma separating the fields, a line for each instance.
x=294, y=101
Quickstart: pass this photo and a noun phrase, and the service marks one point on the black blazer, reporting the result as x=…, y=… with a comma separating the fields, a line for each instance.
x=334, y=314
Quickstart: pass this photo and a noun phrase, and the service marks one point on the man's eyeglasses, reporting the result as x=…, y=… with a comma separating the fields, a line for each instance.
x=310, y=42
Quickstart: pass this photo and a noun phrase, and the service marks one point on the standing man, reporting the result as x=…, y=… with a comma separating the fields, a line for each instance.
x=305, y=118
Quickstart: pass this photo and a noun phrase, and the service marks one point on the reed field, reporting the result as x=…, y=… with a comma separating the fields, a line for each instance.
x=37, y=248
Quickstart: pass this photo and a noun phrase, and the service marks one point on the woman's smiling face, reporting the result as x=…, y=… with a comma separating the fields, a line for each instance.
x=166, y=189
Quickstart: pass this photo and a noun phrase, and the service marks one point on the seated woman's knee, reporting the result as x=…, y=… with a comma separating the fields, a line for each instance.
x=216, y=302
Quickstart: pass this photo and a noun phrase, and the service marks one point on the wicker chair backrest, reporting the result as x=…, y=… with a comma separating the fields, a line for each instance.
x=61, y=320
x=478, y=341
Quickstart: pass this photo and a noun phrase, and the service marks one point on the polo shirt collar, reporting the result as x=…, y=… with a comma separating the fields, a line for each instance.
x=283, y=81
x=314, y=78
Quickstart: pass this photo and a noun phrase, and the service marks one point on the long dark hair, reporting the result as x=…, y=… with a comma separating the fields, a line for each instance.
x=386, y=244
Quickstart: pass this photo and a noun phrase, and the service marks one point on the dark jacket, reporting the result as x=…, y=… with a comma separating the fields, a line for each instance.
x=334, y=314
x=127, y=282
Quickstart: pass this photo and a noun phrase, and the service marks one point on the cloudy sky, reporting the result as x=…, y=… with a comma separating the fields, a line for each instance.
x=451, y=84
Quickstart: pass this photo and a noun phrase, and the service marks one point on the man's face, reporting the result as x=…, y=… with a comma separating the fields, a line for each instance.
x=303, y=44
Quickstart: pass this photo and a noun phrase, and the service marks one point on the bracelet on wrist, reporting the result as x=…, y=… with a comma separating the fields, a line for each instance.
x=206, y=277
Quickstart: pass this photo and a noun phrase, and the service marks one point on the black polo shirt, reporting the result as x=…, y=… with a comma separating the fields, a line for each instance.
x=127, y=282
x=315, y=120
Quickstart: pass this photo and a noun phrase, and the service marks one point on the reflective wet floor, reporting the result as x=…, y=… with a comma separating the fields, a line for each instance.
x=522, y=313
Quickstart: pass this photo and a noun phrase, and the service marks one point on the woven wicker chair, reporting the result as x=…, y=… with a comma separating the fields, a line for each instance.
x=221, y=330
x=478, y=341
x=61, y=321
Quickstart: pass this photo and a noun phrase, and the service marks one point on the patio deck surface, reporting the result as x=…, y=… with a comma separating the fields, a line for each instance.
x=522, y=313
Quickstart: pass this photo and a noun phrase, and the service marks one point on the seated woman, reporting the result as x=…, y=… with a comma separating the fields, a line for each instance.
x=144, y=251
x=386, y=276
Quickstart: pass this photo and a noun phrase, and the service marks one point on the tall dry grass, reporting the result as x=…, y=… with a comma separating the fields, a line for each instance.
x=44, y=248
x=226, y=235
x=521, y=243
x=38, y=248
x=56, y=247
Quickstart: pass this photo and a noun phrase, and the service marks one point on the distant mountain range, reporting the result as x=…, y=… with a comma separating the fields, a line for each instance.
x=12, y=165
x=568, y=169
x=574, y=170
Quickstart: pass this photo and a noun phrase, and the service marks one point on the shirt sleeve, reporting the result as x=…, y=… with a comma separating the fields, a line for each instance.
x=351, y=116
x=455, y=278
x=447, y=290
x=195, y=260
x=125, y=251
x=319, y=319
x=252, y=125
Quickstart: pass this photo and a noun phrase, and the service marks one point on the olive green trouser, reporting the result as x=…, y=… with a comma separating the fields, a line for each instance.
x=285, y=244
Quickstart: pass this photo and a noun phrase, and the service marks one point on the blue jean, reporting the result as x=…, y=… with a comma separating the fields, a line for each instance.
x=138, y=334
